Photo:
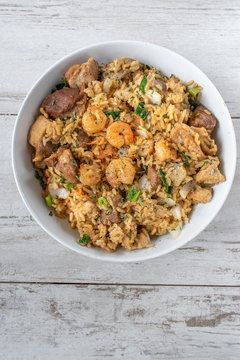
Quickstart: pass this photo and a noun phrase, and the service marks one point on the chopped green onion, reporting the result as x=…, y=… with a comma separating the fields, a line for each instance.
x=40, y=179
x=141, y=111
x=115, y=114
x=186, y=158
x=133, y=194
x=84, y=239
x=62, y=181
x=69, y=187
x=48, y=200
x=143, y=84
x=102, y=201
x=166, y=116
x=61, y=85
x=168, y=188
x=77, y=177
x=74, y=115
x=194, y=92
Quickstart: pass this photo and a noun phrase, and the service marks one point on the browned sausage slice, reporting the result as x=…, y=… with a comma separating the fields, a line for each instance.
x=61, y=101
x=201, y=117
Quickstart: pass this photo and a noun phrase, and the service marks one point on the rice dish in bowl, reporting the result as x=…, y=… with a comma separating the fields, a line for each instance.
x=124, y=152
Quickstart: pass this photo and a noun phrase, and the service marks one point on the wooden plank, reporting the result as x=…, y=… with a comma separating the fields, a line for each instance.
x=38, y=33
x=28, y=254
x=101, y=322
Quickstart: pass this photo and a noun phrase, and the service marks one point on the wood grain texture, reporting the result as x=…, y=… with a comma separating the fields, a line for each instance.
x=29, y=254
x=100, y=322
x=184, y=305
x=38, y=33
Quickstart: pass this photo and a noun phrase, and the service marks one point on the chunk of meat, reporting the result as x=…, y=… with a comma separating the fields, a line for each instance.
x=159, y=84
x=37, y=131
x=113, y=217
x=118, y=75
x=120, y=171
x=78, y=110
x=207, y=144
x=201, y=117
x=116, y=199
x=186, y=140
x=146, y=148
x=61, y=101
x=90, y=175
x=77, y=75
x=165, y=151
x=153, y=177
x=110, y=216
x=121, y=74
x=43, y=151
x=201, y=195
x=83, y=138
x=178, y=175
x=63, y=161
x=210, y=174
x=143, y=239
x=35, y=138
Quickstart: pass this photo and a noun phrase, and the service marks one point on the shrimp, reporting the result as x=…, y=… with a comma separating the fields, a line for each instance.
x=119, y=133
x=164, y=151
x=103, y=153
x=120, y=171
x=90, y=175
x=94, y=120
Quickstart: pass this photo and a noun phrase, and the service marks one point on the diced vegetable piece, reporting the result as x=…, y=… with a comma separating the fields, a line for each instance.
x=143, y=84
x=176, y=211
x=133, y=194
x=84, y=239
x=187, y=188
x=141, y=111
x=48, y=200
x=154, y=97
x=60, y=193
x=102, y=201
x=144, y=183
x=168, y=188
x=69, y=187
x=115, y=114
x=194, y=92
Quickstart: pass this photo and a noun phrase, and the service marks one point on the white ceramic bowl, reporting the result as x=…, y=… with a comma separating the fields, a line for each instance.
x=168, y=62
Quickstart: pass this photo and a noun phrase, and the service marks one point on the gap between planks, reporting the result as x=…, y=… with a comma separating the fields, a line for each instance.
x=114, y=284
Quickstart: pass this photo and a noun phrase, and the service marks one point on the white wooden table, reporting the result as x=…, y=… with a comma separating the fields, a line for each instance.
x=56, y=304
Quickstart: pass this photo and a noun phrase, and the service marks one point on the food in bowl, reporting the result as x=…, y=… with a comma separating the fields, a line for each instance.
x=124, y=152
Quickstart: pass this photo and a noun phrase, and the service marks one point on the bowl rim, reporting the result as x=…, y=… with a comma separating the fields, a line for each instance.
x=100, y=256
